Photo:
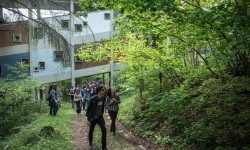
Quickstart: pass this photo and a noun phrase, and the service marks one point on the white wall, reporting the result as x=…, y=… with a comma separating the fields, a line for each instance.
x=43, y=52
x=95, y=21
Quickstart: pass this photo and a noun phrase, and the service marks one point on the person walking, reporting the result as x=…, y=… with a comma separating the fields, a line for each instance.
x=94, y=113
x=77, y=100
x=53, y=102
x=112, y=102
x=71, y=94
x=82, y=91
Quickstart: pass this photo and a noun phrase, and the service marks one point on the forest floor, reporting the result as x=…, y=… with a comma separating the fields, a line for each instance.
x=123, y=140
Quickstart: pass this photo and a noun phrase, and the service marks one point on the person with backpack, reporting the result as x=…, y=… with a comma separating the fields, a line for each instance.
x=94, y=113
x=53, y=100
x=112, y=102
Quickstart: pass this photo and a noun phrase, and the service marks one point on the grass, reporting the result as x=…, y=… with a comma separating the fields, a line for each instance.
x=30, y=136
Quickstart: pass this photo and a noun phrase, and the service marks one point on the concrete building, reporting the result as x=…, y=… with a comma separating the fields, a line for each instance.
x=50, y=59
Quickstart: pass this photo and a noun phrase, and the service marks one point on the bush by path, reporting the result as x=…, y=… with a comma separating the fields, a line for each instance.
x=33, y=136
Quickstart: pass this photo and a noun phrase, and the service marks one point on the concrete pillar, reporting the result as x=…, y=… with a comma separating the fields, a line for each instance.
x=112, y=69
x=109, y=80
x=1, y=13
x=111, y=25
x=72, y=27
x=103, y=79
x=30, y=47
x=112, y=57
x=30, y=34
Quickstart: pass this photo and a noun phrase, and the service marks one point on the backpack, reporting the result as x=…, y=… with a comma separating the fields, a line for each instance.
x=48, y=97
x=52, y=102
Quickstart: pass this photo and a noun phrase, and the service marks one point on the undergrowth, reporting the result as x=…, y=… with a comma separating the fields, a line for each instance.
x=32, y=136
x=212, y=115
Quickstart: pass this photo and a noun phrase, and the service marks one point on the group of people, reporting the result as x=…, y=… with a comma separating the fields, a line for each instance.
x=94, y=97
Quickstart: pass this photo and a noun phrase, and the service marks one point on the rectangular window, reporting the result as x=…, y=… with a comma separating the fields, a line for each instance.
x=1, y=70
x=85, y=23
x=25, y=61
x=78, y=27
x=58, y=55
x=41, y=65
x=65, y=24
x=17, y=38
x=106, y=16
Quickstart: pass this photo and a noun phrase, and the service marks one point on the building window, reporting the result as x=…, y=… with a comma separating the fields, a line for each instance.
x=35, y=69
x=85, y=23
x=58, y=55
x=65, y=24
x=106, y=16
x=17, y=38
x=25, y=61
x=41, y=65
x=1, y=70
x=78, y=27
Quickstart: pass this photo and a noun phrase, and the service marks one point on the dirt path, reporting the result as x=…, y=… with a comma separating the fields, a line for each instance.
x=124, y=140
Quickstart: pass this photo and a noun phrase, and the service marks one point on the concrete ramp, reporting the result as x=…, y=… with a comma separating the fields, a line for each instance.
x=77, y=73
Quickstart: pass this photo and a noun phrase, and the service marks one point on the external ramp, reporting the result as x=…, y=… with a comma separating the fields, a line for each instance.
x=78, y=73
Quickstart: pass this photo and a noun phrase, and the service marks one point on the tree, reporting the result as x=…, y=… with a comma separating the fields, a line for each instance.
x=186, y=36
x=17, y=99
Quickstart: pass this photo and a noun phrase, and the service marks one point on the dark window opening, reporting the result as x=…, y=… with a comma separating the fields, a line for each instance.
x=65, y=24
x=42, y=65
x=106, y=16
x=58, y=55
x=78, y=27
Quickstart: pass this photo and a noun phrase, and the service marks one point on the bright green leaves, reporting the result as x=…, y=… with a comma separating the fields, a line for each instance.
x=187, y=36
x=178, y=1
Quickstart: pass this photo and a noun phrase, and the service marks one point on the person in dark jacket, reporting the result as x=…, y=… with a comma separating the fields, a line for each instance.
x=112, y=102
x=94, y=113
x=53, y=102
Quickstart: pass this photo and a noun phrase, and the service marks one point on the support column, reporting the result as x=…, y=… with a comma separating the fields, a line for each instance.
x=109, y=79
x=103, y=79
x=111, y=24
x=30, y=48
x=111, y=75
x=30, y=41
x=1, y=13
x=72, y=26
x=112, y=69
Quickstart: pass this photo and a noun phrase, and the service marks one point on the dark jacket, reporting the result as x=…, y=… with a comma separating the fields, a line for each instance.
x=92, y=106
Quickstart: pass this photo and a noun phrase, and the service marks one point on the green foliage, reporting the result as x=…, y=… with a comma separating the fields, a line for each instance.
x=17, y=100
x=34, y=136
x=185, y=36
x=212, y=115
x=201, y=48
